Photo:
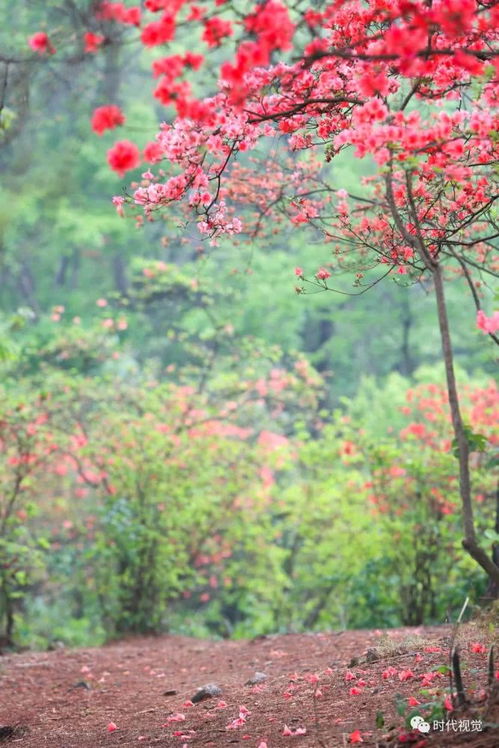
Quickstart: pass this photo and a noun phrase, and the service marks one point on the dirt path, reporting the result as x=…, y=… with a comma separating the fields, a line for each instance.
x=68, y=698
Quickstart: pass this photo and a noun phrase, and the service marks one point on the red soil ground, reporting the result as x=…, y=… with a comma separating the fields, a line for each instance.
x=68, y=698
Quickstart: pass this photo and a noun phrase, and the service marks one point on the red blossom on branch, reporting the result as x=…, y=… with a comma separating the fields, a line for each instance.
x=41, y=43
x=158, y=32
x=216, y=29
x=123, y=156
x=109, y=11
x=487, y=324
x=107, y=118
x=153, y=153
x=92, y=41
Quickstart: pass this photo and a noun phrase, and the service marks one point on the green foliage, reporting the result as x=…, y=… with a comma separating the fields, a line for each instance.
x=206, y=490
x=167, y=500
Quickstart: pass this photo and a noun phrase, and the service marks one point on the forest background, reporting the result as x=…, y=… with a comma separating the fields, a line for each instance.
x=188, y=445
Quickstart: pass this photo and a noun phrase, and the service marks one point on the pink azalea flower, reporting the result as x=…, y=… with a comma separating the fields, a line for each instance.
x=41, y=43
x=322, y=274
x=487, y=324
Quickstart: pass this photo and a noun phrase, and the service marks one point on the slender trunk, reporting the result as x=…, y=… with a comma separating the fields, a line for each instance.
x=493, y=588
x=417, y=241
x=26, y=285
x=9, y=617
x=6, y=635
x=14, y=92
x=406, y=365
x=60, y=277
x=119, y=273
x=470, y=542
x=75, y=269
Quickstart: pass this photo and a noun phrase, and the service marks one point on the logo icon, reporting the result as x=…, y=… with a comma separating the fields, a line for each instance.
x=418, y=723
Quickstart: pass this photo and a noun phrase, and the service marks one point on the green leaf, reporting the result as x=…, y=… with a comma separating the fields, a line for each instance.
x=476, y=442
x=401, y=705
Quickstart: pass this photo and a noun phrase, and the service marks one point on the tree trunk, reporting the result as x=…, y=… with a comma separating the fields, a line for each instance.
x=406, y=364
x=26, y=285
x=119, y=273
x=470, y=542
x=493, y=588
x=60, y=277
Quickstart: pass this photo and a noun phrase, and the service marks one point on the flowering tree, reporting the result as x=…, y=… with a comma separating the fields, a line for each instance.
x=410, y=86
x=35, y=436
x=390, y=509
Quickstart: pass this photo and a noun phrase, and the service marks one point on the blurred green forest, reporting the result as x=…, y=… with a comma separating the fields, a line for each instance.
x=122, y=510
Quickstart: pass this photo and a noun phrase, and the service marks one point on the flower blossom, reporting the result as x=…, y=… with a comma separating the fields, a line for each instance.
x=92, y=41
x=123, y=156
x=41, y=43
x=107, y=118
x=487, y=324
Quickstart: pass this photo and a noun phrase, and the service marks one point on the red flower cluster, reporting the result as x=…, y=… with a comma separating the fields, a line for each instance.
x=215, y=29
x=249, y=55
x=108, y=11
x=158, y=32
x=455, y=16
x=272, y=25
x=322, y=274
x=92, y=41
x=274, y=30
x=123, y=156
x=40, y=43
x=194, y=109
x=172, y=6
x=193, y=60
x=169, y=91
x=174, y=65
x=153, y=152
x=171, y=66
x=107, y=118
x=487, y=324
